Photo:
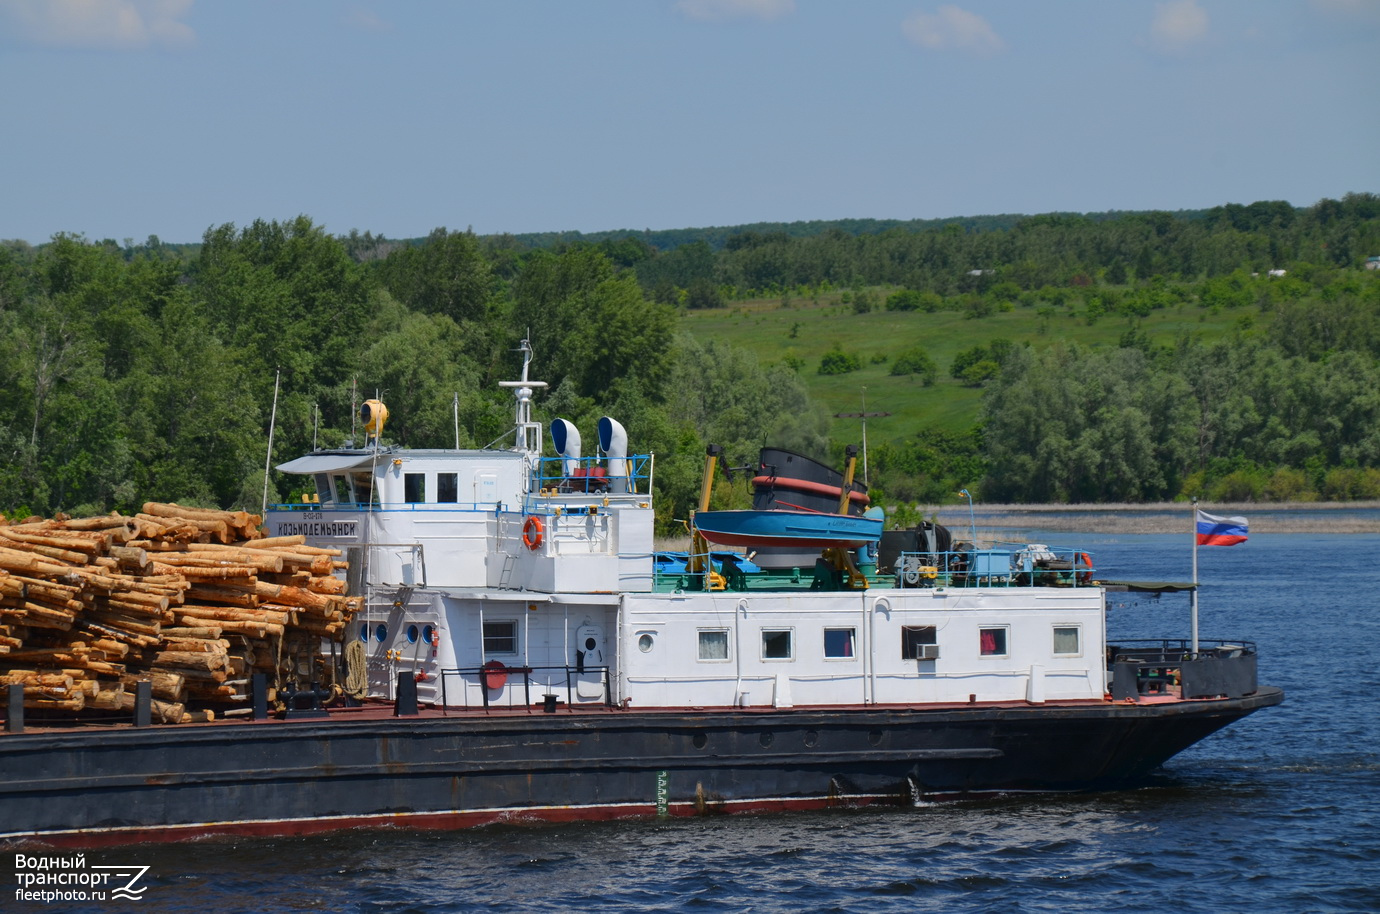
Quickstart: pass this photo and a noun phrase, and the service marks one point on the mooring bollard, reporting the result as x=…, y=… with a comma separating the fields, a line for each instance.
x=14, y=714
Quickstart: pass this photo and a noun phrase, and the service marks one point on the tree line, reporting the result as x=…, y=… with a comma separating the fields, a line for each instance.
x=137, y=372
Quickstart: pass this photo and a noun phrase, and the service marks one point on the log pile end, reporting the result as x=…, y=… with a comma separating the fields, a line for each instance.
x=191, y=600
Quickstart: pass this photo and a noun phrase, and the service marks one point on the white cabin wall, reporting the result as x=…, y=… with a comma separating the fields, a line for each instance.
x=545, y=642
x=634, y=529
x=672, y=674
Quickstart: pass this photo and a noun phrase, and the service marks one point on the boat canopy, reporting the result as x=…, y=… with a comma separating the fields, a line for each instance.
x=325, y=463
x=1150, y=586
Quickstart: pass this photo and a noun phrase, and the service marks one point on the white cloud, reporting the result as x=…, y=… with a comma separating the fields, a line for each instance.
x=720, y=10
x=1178, y=25
x=951, y=27
x=366, y=20
x=106, y=24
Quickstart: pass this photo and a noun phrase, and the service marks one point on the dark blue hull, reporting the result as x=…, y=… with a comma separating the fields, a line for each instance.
x=86, y=787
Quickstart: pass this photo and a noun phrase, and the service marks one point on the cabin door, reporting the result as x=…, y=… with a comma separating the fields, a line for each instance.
x=590, y=661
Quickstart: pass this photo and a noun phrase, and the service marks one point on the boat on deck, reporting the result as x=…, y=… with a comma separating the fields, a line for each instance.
x=520, y=657
x=793, y=529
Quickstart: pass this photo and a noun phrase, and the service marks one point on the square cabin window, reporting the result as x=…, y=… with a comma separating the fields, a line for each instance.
x=447, y=488
x=1066, y=640
x=500, y=637
x=776, y=644
x=414, y=488
x=992, y=641
x=914, y=639
x=839, y=643
x=714, y=644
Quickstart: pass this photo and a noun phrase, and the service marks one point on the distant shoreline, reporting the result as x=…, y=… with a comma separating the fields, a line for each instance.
x=1167, y=517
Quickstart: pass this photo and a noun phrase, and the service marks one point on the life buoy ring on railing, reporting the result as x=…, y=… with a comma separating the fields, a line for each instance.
x=531, y=533
x=1085, y=576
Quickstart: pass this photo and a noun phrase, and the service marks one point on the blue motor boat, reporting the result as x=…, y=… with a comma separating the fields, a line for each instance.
x=787, y=528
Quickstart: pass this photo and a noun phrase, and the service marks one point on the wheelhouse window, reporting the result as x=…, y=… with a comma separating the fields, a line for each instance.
x=915, y=639
x=776, y=644
x=340, y=490
x=500, y=637
x=447, y=488
x=1067, y=641
x=363, y=485
x=839, y=643
x=992, y=641
x=714, y=644
x=414, y=488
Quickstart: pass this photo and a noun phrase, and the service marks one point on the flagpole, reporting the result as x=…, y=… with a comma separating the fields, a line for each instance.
x=1193, y=597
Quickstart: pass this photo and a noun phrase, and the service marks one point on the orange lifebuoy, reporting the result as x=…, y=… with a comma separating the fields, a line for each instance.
x=1085, y=577
x=531, y=532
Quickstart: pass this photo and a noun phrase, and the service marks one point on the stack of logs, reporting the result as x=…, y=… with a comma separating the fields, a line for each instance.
x=194, y=601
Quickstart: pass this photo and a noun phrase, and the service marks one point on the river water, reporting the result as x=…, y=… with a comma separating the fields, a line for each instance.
x=1280, y=812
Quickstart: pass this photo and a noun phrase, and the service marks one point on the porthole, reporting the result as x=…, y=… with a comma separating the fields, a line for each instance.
x=380, y=632
x=364, y=631
x=875, y=737
x=811, y=737
x=700, y=740
x=766, y=739
x=428, y=634
x=412, y=634
x=645, y=642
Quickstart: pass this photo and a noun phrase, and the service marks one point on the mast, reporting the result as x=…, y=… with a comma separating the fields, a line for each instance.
x=1193, y=595
x=527, y=434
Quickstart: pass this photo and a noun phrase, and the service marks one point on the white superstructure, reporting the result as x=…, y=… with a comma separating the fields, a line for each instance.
x=505, y=576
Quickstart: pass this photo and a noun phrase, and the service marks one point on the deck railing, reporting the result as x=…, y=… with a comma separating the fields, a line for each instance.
x=591, y=474
x=1017, y=566
x=481, y=677
x=1219, y=668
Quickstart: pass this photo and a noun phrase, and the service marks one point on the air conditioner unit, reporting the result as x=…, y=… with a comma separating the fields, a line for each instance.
x=926, y=652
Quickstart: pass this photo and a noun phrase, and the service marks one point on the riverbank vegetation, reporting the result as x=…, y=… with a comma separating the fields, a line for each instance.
x=1232, y=354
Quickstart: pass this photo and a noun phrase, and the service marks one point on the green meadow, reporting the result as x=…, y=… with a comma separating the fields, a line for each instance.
x=804, y=329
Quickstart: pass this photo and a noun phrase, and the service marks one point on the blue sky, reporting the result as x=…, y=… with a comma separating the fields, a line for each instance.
x=128, y=118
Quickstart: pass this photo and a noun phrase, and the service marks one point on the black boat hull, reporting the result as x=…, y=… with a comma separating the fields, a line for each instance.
x=86, y=788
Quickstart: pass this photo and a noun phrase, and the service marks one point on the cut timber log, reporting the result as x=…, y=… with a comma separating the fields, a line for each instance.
x=273, y=542
x=165, y=712
x=109, y=698
x=327, y=585
x=227, y=594
x=208, y=631
x=167, y=684
x=209, y=661
x=83, y=545
x=229, y=518
x=132, y=559
x=28, y=562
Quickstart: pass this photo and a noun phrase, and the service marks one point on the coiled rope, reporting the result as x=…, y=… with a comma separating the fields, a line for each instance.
x=356, y=676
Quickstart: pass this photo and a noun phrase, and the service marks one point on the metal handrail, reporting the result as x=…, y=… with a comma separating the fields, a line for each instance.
x=995, y=567
x=1172, y=650
x=605, y=674
x=551, y=474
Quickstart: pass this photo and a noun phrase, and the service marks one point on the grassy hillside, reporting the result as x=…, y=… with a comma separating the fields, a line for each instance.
x=807, y=328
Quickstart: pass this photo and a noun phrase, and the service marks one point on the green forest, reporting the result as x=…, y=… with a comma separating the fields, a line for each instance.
x=1231, y=354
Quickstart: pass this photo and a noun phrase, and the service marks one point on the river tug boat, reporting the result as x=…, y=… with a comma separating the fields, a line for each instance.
x=523, y=654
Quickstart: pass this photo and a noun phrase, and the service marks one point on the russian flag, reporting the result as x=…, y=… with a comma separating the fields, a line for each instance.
x=1220, y=531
